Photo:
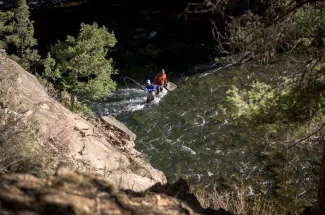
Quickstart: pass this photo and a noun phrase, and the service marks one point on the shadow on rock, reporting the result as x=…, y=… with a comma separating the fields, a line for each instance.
x=181, y=191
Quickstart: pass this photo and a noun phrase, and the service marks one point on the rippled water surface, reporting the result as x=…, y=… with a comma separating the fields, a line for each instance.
x=185, y=135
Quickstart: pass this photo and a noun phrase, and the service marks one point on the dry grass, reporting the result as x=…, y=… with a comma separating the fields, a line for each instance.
x=202, y=195
x=230, y=201
x=49, y=87
x=65, y=98
x=239, y=203
x=21, y=142
x=137, y=167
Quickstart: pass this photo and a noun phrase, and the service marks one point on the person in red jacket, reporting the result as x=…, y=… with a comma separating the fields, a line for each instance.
x=160, y=81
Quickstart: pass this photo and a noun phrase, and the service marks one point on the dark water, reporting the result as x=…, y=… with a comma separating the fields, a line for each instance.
x=178, y=45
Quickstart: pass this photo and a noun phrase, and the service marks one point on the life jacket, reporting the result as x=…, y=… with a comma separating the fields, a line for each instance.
x=160, y=79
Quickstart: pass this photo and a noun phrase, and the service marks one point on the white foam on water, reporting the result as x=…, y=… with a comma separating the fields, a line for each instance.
x=199, y=176
x=188, y=149
x=168, y=140
x=219, y=152
x=202, y=119
x=214, y=70
x=128, y=100
x=162, y=94
x=153, y=140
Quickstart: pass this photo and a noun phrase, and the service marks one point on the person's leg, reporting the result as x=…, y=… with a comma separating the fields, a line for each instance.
x=153, y=96
x=159, y=89
x=150, y=97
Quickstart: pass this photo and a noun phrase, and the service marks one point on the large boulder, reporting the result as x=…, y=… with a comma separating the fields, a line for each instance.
x=69, y=192
x=88, y=145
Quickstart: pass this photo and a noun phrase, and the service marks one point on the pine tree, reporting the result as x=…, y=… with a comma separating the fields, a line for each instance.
x=5, y=25
x=80, y=65
x=22, y=36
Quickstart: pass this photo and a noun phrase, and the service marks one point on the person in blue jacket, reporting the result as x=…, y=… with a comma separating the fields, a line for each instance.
x=151, y=89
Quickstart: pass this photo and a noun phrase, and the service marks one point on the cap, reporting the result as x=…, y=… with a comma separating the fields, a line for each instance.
x=148, y=81
x=162, y=71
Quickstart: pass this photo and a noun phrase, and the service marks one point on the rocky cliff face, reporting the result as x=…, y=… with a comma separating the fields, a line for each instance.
x=87, y=145
x=74, y=193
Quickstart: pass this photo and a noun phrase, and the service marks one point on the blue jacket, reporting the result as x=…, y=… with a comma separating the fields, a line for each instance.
x=150, y=88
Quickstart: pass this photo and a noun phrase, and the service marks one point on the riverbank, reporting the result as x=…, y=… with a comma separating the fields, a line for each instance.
x=51, y=134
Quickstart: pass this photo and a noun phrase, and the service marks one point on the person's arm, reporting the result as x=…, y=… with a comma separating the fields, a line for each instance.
x=153, y=87
x=165, y=79
x=145, y=88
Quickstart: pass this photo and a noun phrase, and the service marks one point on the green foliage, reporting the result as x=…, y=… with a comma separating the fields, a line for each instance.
x=49, y=64
x=292, y=112
x=289, y=110
x=297, y=100
x=247, y=33
x=283, y=117
x=285, y=26
x=83, y=109
x=252, y=103
x=80, y=64
x=17, y=30
x=308, y=26
x=23, y=30
x=5, y=26
x=5, y=18
x=50, y=88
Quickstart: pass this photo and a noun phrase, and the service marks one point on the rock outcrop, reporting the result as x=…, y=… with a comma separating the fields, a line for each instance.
x=88, y=145
x=74, y=193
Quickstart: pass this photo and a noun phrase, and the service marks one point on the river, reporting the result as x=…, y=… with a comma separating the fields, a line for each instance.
x=184, y=133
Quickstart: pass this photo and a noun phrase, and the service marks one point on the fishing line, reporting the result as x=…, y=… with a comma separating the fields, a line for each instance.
x=133, y=81
x=161, y=132
x=155, y=124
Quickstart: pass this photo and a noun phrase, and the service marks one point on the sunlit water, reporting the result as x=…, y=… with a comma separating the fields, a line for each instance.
x=185, y=135
x=126, y=100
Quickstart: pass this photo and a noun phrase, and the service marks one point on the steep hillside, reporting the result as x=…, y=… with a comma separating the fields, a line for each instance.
x=88, y=145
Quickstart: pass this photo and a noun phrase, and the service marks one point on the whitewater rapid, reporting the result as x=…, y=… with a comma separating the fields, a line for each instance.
x=126, y=100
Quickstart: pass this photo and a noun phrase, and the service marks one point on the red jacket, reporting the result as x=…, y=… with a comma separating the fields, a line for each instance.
x=160, y=79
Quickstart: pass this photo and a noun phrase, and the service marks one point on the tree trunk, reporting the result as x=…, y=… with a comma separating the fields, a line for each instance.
x=72, y=101
x=320, y=208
